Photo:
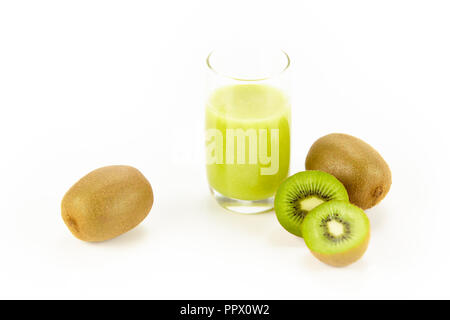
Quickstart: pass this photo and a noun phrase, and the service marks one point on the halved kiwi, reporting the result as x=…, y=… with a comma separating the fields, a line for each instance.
x=336, y=232
x=301, y=193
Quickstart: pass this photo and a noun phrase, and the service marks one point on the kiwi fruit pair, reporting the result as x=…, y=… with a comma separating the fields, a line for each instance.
x=324, y=205
x=314, y=205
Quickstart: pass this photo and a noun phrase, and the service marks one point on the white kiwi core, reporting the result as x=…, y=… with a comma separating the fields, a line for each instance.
x=335, y=228
x=310, y=203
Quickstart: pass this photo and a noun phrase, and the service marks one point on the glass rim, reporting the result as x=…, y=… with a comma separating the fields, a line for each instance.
x=274, y=74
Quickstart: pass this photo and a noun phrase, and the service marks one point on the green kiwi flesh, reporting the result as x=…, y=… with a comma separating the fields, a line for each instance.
x=301, y=193
x=336, y=232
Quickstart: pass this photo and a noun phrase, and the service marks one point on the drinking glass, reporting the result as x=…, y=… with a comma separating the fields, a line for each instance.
x=248, y=119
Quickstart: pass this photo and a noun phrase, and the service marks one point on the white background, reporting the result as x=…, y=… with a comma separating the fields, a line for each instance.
x=84, y=84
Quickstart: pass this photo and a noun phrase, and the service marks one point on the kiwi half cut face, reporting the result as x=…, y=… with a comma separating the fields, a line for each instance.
x=337, y=233
x=301, y=193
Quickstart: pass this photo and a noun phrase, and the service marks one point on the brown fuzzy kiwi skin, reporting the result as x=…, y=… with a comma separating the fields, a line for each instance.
x=360, y=168
x=345, y=258
x=106, y=203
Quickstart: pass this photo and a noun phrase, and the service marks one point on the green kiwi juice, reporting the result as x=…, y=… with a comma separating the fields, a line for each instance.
x=247, y=140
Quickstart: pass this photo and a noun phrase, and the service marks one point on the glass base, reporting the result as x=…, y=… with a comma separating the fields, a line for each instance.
x=243, y=206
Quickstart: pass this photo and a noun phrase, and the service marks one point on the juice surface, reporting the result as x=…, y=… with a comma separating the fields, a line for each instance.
x=248, y=140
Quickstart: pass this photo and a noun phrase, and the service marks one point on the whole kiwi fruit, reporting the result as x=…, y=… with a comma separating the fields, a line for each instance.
x=107, y=202
x=361, y=169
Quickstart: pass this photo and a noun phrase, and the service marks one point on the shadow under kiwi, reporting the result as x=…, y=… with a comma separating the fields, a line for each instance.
x=377, y=216
x=136, y=235
x=264, y=224
x=278, y=237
